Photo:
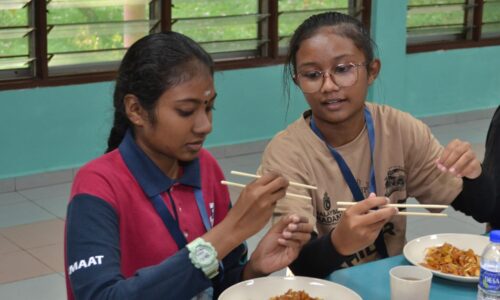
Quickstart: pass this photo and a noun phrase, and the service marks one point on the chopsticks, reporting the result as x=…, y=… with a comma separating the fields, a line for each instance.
x=296, y=184
x=229, y=183
x=405, y=213
x=291, y=182
x=411, y=213
x=400, y=205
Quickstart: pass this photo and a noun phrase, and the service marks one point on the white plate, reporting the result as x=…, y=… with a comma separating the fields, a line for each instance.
x=267, y=287
x=414, y=251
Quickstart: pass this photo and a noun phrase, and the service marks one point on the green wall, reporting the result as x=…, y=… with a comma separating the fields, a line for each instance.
x=47, y=129
x=55, y=128
x=430, y=83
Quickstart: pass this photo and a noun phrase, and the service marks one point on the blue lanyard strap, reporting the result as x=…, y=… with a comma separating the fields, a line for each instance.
x=202, y=209
x=371, y=138
x=349, y=177
x=344, y=168
x=172, y=224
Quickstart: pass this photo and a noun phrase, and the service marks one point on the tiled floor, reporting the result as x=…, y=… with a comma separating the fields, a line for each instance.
x=32, y=224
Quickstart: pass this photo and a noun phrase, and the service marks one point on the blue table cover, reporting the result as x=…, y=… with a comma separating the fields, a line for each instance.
x=371, y=281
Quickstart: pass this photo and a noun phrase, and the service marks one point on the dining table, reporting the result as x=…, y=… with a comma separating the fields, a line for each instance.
x=372, y=281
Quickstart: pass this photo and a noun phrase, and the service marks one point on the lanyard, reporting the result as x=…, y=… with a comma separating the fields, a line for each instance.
x=172, y=224
x=344, y=168
x=349, y=177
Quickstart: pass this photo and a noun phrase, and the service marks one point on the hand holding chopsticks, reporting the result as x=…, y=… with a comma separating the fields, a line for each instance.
x=405, y=213
x=256, y=203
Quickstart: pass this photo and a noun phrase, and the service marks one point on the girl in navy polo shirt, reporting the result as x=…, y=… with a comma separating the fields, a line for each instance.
x=150, y=218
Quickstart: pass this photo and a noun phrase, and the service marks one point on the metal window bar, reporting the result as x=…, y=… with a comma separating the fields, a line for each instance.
x=438, y=5
x=98, y=60
x=491, y=21
x=65, y=30
x=434, y=32
x=355, y=8
x=246, y=47
x=51, y=4
x=491, y=30
x=9, y=5
x=80, y=58
x=316, y=10
x=17, y=61
x=237, y=48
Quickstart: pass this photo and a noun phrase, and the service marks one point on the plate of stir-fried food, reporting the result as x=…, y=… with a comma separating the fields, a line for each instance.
x=450, y=255
x=288, y=288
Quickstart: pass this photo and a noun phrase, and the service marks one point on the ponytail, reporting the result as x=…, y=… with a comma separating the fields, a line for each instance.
x=121, y=122
x=117, y=133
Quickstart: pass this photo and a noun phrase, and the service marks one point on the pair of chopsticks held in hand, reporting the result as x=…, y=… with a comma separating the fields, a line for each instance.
x=402, y=213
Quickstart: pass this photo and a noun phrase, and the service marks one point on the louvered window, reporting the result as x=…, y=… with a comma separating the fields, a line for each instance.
x=92, y=35
x=293, y=12
x=16, y=34
x=447, y=24
x=491, y=19
x=55, y=42
x=226, y=29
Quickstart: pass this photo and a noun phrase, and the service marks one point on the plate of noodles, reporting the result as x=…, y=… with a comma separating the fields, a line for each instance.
x=289, y=288
x=452, y=256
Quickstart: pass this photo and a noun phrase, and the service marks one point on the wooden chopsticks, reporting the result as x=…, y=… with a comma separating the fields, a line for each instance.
x=229, y=183
x=402, y=213
x=291, y=182
x=400, y=205
x=405, y=213
x=411, y=213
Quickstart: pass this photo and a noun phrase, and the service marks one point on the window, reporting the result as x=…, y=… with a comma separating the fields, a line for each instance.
x=16, y=34
x=54, y=42
x=93, y=35
x=293, y=12
x=491, y=19
x=226, y=29
x=447, y=24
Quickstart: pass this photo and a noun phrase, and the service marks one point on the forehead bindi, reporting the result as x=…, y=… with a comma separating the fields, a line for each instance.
x=197, y=90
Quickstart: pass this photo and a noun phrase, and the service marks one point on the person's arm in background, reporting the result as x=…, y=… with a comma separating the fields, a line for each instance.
x=477, y=197
x=491, y=164
x=452, y=175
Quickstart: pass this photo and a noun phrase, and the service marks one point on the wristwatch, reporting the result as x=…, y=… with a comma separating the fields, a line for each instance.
x=204, y=256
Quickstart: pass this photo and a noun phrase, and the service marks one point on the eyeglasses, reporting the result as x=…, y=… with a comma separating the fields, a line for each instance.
x=344, y=75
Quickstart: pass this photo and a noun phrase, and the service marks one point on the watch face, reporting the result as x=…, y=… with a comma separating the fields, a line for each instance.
x=204, y=255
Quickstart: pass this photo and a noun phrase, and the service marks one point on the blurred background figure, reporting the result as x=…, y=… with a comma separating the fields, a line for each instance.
x=491, y=163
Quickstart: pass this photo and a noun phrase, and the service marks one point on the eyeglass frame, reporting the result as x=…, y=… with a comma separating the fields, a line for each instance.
x=331, y=75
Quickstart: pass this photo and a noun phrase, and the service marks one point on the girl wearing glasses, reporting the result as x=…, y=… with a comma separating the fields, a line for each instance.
x=150, y=218
x=352, y=150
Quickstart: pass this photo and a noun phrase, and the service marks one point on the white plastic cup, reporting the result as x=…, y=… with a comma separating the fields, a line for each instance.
x=410, y=283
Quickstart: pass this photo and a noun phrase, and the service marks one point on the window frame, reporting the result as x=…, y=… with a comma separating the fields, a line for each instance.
x=269, y=52
x=472, y=41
